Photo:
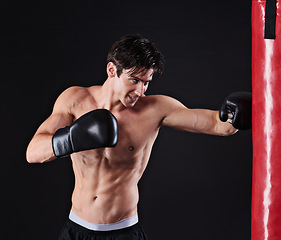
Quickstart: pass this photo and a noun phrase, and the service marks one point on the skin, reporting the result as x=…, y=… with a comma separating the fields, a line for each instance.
x=106, y=178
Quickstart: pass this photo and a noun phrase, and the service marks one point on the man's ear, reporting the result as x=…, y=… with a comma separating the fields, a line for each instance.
x=111, y=70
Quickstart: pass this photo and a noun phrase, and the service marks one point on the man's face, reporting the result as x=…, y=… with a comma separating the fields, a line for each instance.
x=133, y=86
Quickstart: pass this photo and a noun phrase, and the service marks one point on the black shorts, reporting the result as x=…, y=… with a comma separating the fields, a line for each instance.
x=73, y=231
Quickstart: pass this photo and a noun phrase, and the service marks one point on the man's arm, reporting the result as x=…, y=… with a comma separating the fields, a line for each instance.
x=193, y=120
x=59, y=136
x=40, y=148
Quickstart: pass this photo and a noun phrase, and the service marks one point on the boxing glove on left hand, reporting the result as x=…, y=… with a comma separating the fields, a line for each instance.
x=95, y=129
x=237, y=109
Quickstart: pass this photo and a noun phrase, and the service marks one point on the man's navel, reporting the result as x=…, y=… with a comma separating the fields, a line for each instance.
x=131, y=148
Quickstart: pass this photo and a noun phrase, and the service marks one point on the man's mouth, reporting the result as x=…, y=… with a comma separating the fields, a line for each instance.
x=133, y=99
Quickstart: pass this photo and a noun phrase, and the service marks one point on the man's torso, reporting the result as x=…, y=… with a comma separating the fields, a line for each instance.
x=106, y=179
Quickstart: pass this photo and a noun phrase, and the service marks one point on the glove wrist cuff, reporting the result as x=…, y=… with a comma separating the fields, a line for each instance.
x=61, y=142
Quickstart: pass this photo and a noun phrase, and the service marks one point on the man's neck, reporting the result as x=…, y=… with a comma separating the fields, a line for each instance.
x=107, y=98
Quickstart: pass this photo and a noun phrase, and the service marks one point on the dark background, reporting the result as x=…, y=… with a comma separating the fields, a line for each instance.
x=196, y=186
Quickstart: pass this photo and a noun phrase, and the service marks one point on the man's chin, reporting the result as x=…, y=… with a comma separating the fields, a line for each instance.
x=129, y=104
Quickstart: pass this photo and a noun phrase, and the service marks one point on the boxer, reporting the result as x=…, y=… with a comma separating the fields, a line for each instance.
x=109, y=131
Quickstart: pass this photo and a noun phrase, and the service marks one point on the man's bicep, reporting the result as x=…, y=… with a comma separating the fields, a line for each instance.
x=54, y=122
x=180, y=117
x=176, y=115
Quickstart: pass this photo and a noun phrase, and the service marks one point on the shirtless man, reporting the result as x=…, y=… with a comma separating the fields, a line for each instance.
x=110, y=148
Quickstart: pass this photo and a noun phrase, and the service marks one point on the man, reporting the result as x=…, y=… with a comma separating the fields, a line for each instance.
x=109, y=132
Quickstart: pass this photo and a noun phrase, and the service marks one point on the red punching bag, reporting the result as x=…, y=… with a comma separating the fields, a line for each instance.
x=266, y=80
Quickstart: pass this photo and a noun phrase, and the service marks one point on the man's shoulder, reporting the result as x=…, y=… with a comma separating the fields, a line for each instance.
x=156, y=106
x=73, y=95
x=74, y=98
x=77, y=92
x=155, y=102
x=158, y=99
x=161, y=103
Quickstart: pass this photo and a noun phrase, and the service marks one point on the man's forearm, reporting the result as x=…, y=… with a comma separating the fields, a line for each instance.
x=40, y=149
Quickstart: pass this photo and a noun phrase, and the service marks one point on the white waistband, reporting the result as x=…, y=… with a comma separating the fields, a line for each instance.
x=104, y=227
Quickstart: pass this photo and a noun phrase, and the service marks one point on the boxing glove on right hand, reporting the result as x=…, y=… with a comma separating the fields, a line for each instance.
x=237, y=109
x=95, y=129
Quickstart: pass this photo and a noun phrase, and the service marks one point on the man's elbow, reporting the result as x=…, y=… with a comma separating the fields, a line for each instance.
x=31, y=156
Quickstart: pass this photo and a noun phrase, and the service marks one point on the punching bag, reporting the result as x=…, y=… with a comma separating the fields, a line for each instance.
x=266, y=87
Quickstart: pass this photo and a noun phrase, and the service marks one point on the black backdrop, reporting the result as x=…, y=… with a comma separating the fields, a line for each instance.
x=196, y=186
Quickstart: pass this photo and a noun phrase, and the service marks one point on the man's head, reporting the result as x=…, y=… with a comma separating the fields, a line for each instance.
x=132, y=62
x=136, y=53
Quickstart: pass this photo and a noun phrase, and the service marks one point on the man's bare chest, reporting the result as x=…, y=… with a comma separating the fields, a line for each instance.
x=136, y=127
x=136, y=136
x=135, y=131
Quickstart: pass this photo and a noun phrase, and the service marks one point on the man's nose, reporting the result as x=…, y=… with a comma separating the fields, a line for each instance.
x=140, y=89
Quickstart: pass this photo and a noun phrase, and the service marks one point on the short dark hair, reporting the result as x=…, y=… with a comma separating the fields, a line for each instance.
x=135, y=52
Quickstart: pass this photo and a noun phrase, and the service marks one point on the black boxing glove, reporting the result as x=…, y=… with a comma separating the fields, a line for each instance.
x=95, y=129
x=237, y=109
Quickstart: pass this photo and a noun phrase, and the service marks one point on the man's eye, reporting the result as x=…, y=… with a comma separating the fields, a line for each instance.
x=135, y=80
